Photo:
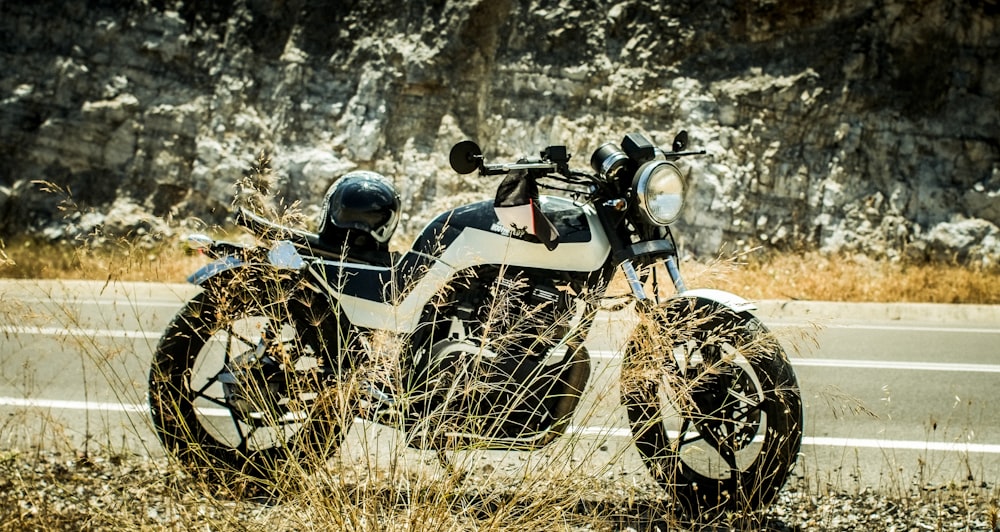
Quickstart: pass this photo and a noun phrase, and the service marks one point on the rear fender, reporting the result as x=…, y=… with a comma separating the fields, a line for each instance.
x=282, y=256
x=217, y=266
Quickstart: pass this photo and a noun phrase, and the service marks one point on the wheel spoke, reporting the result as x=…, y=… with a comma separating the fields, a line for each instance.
x=742, y=415
x=244, y=445
x=215, y=400
x=686, y=430
x=231, y=334
x=243, y=339
x=200, y=392
x=730, y=458
x=720, y=438
x=229, y=343
x=244, y=436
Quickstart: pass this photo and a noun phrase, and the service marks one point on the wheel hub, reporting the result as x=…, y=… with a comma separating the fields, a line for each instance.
x=730, y=413
x=255, y=388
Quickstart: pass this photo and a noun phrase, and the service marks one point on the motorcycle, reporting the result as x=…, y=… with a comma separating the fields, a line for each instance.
x=474, y=337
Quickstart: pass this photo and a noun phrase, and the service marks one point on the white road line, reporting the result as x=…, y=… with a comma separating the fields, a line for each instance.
x=824, y=323
x=59, y=404
x=883, y=364
x=611, y=432
x=912, y=445
x=116, y=333
x=76, y=331
x=899, y=328
x=860, y=364
x=71, y=405
x=598, y=354
x=126, y=303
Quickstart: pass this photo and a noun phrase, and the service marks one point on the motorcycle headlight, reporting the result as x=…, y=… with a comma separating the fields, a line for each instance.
x=659, y=192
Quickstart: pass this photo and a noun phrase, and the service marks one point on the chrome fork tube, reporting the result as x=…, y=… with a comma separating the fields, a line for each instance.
x=639, y=291
x=633, y=281
x=675, y=274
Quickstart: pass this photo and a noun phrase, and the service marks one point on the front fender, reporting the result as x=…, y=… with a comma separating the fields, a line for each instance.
x=729, y=300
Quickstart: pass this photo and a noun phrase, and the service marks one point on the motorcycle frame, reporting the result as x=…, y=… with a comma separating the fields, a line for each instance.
x=614, y=244
x=401, y=312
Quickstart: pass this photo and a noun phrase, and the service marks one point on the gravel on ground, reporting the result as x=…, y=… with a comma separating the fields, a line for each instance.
x=41, y=490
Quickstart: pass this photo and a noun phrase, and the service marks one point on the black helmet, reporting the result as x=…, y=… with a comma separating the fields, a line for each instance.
x=360, y=201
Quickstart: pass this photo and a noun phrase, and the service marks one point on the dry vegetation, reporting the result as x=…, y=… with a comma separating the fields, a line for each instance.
x=31, y=259
x=799, y=276
x=52, y=491
x=112, y=488
x=817, y=277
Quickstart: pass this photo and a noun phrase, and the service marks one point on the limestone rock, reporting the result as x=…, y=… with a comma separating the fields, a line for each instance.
x=965, y=241
x=845, y=125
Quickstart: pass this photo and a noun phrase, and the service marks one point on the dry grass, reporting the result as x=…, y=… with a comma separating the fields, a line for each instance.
x=31, y=259
x=401, y=490
x=801, y=276
x=550, y=491
x=813, y=276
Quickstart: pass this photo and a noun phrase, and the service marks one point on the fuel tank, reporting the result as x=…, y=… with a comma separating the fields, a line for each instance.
x=392, y=298
x=472, y=234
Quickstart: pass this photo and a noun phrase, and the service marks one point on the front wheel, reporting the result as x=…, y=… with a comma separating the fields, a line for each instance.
x=244, y=381
x=714, y=407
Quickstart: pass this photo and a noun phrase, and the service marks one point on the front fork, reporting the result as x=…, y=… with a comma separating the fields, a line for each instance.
x=637, y=285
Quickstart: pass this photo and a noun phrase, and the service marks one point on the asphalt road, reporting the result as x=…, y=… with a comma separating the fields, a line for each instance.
x=894, y=394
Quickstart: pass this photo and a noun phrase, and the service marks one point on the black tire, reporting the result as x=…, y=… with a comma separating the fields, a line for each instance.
x=254, y=441
x=714, y=408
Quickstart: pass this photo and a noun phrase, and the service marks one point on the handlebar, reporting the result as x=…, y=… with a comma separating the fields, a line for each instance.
x=467, y=157
x=678, y=154
x=506, y=168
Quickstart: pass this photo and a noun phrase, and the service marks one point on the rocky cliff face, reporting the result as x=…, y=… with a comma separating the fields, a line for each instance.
x=862, y=125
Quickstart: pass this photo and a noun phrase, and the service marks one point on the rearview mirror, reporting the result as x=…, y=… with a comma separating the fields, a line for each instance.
x=466, y=157
x=680, y=141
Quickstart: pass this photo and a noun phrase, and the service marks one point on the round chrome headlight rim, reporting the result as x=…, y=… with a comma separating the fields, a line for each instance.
x=659, y=191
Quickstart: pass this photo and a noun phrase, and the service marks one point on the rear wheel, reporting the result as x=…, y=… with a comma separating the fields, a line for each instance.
x=244, y=383
x=714, y=407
